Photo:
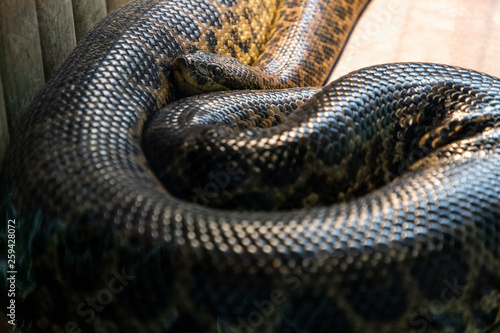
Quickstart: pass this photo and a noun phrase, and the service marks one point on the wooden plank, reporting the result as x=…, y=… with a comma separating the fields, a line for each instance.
x=454, y=32
x=4, y=130
x=86, y=14
x=112, y=4
x=57, y=32
x=20, y=55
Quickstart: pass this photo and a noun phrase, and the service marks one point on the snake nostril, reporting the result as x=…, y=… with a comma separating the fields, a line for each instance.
x=180, y=62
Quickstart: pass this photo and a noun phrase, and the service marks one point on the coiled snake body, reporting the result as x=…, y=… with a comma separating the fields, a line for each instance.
x=396, y=168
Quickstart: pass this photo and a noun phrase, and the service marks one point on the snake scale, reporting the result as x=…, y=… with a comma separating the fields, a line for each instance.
x=370, y=205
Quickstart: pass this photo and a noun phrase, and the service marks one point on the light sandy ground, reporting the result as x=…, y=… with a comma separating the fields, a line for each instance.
x=463, y=33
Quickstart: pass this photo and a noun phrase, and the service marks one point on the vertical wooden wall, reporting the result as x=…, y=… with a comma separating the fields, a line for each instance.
x=86, y=14
x=21, y=66
x=4, y=133
x=57, y=32
x=35, y=38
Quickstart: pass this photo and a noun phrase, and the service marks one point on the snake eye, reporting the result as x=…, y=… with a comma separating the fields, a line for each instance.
x=216, y=70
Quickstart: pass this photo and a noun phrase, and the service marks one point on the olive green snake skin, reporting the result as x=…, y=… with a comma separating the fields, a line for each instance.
x=369, y=206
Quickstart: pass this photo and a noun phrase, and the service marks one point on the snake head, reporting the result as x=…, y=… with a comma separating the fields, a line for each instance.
x=202, y=72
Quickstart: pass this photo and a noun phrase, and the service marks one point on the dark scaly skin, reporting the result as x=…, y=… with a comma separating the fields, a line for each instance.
x=372, y=264
x=388, y=258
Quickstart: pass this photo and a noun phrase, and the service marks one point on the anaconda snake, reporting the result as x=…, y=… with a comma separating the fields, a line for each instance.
x=113, y=251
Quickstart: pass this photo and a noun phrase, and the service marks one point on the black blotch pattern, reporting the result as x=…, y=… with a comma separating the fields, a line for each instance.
x=147, y=301
x=380, y=297
x=232, y=298
x=229, y=3
x=312, y=314
x=186, y=323
x=211, y=41
x=249, y=201
x=278, y=175
x=439, y=271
